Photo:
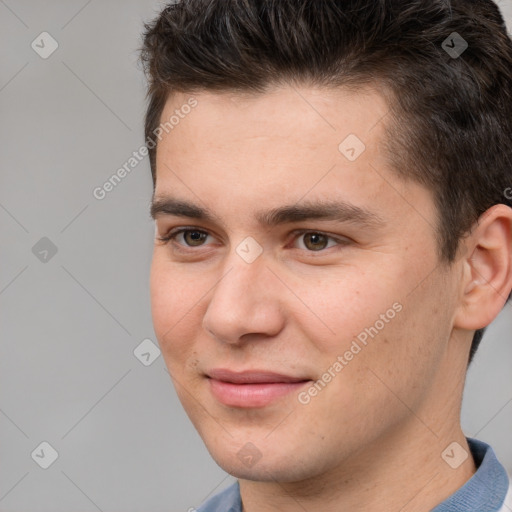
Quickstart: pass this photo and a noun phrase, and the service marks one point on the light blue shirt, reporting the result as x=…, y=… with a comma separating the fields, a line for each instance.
x=485, y=491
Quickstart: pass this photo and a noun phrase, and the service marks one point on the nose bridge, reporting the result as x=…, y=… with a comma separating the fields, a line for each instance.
x=241, y=301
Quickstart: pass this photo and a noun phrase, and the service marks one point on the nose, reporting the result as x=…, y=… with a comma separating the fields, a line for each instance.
x=244, y=302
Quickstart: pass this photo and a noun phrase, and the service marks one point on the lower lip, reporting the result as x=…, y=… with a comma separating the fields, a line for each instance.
x=251, y=395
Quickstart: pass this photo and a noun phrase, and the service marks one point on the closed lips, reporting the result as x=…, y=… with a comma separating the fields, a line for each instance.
x=252, y=377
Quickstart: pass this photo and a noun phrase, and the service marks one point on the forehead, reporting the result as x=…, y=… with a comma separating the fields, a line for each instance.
x=284, y=111
x=238, y=151
x=281, y=128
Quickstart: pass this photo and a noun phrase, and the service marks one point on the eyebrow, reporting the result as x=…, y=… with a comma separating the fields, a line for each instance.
x=336, y=210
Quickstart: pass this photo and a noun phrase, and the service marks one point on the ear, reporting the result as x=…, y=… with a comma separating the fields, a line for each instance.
x=487, y=276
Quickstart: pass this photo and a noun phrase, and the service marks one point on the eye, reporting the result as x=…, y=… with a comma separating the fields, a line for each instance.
x=192, y=237
x=316, y=241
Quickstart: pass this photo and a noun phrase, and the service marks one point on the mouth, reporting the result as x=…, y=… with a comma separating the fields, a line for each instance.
x=251, y=388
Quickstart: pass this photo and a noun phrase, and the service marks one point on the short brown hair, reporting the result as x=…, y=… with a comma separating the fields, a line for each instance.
x=450, y=126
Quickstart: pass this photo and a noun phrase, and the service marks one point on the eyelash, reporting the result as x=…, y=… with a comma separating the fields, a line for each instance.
x=171, y=235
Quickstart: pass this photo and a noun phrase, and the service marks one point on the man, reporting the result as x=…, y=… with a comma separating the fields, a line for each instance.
x=333, y=233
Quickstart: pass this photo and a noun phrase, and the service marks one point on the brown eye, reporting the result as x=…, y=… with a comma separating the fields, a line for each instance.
x=315, y=241
x=194, y=238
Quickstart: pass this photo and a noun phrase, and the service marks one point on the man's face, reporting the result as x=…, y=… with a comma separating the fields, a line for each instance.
x=356, y=303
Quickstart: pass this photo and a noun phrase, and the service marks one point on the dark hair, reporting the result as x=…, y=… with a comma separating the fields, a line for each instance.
x=450, y=125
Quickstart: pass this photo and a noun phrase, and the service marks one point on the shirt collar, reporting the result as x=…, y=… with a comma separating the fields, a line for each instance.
x=227, y=500
x=485, y=491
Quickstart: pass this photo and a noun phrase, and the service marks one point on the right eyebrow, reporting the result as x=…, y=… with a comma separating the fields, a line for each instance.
x=171, y=206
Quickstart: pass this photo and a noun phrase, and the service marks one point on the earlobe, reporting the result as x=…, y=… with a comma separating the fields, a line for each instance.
x=487, y=279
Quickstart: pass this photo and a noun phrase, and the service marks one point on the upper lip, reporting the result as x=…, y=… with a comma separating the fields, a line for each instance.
x=251, y=376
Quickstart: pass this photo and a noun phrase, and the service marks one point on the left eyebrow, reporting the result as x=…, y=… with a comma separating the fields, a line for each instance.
x=340, y=211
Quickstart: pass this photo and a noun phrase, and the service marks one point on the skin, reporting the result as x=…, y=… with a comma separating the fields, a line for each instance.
x=374, y=435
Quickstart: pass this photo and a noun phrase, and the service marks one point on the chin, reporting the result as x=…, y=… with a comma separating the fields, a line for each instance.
x=261, y=472
x=271, y=467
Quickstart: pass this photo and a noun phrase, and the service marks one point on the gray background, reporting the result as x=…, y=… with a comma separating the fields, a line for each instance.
x=70, y=325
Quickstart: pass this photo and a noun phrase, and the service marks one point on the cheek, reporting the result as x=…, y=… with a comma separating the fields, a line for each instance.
x=346, y=304
x=403, y=347
x=375, y=322
x=173, y=309
x=162, y=298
